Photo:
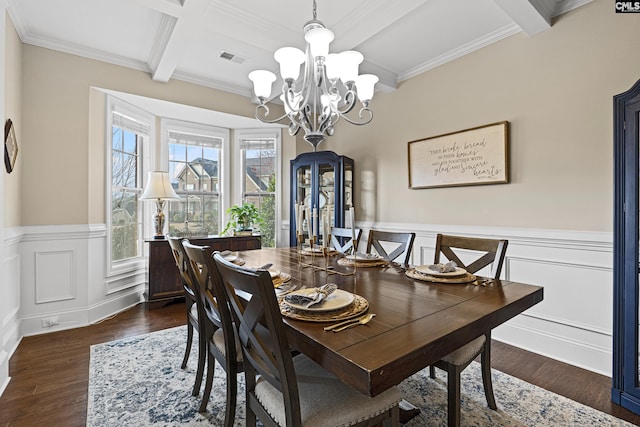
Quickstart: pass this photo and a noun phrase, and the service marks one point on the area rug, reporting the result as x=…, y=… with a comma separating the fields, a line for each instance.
x=138, y=381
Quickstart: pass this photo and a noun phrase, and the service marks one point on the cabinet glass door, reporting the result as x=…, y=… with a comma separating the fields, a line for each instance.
x=326, y=198
x=304, y=194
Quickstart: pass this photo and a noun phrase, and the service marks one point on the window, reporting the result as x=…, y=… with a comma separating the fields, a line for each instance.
x=259, y=180
x=128, y=130
x=195, y=169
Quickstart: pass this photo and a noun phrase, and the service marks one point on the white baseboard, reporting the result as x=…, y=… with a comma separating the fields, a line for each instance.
x=4, y=371
x=106, y=309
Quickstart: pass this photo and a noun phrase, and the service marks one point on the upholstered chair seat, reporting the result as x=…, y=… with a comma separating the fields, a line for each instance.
x=324, y=400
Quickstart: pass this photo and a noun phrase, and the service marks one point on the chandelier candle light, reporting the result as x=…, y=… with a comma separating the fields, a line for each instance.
x=326, y=91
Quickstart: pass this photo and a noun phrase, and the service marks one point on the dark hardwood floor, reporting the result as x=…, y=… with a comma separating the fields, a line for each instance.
x=50, y=372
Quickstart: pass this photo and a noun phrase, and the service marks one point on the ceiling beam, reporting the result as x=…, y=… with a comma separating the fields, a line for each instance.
x=532, y=16
x=168, y=7
x=173, y=37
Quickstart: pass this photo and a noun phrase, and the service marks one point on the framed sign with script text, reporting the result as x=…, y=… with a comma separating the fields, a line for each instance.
x=469, y=157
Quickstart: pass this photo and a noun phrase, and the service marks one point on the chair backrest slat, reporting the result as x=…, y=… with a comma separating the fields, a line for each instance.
x=342, y=238
x=402, y=244
x=180, y=259
x=492, y=252
x=205, y=273
x=262, y=333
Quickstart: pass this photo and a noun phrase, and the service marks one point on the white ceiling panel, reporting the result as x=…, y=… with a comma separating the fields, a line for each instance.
x=183, y=39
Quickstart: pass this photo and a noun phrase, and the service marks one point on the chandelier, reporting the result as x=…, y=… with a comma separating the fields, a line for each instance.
x=326, y=91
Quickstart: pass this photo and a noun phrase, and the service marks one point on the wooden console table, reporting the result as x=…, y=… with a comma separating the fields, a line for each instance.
x=165, y=283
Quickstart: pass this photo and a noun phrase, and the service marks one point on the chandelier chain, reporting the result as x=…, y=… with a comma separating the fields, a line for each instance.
x=314, y=10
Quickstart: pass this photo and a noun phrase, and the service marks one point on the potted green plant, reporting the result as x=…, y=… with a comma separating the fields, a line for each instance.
x=242, y=218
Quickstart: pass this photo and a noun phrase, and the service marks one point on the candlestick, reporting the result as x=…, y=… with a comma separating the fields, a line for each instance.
x=314, y=218
x=308, y=216
x=353, y=228
x=295, y=217
x=325, y=228
x=300, y=208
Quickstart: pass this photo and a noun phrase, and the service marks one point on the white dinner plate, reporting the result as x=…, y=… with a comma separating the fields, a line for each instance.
x=364, y=257
x=424, y=269
x=336, y=300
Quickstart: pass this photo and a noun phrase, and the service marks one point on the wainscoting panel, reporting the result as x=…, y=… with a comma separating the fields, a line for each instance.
x=55, y=276
x=64, y=282
x=574, y=321
x=9, y=302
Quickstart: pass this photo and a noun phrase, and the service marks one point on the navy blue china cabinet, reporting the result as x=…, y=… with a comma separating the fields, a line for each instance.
x=626, y=299
x=321, y=180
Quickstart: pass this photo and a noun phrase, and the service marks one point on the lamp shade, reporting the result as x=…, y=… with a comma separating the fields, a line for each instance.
x=349, y=62
x=319, y=39
x=332, y=66
x=290, y=59
x=158, y=187
x=262, y=81
x=365, y=84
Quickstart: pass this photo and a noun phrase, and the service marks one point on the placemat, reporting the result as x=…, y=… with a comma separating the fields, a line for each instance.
x=307, y=251
x=357, y=307
x=412, y=273
x=349, y=262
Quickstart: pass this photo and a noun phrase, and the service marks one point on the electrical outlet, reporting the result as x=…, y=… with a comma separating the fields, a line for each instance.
x=48, y=322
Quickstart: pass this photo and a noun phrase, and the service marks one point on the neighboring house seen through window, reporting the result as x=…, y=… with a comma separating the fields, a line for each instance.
x=258, y=157
x=195, y=159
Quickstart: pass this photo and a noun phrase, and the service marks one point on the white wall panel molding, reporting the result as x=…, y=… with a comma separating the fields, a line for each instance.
x=10, y=300
x=590, y=351
x=56, y=232
x=4, y=368
x=12, y=236
x=115, y=304
x=63, y=278
x=55, y=276
x=125, y=281
x=573, y=323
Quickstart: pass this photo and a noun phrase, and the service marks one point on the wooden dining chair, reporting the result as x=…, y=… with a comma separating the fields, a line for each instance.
x=483, y=252
x=193, y=313
x=396, y=243
x=220, y=337
x=342, y=238
x=282, y=390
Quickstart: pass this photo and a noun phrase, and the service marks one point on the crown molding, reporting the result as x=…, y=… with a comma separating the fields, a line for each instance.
x=466, y=49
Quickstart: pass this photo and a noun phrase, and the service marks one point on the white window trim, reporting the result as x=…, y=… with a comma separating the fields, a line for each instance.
x=114, y=268
x=241, y=134
x=202, y=129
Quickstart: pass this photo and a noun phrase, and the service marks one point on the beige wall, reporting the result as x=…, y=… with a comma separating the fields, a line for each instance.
x=13, y=111
x=64, y=145
x=554, y=88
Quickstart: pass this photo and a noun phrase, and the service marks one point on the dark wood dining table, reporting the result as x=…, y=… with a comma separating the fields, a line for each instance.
x=416, y=322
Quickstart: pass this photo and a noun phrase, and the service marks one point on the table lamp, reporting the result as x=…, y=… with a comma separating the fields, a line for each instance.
x=159, y=189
